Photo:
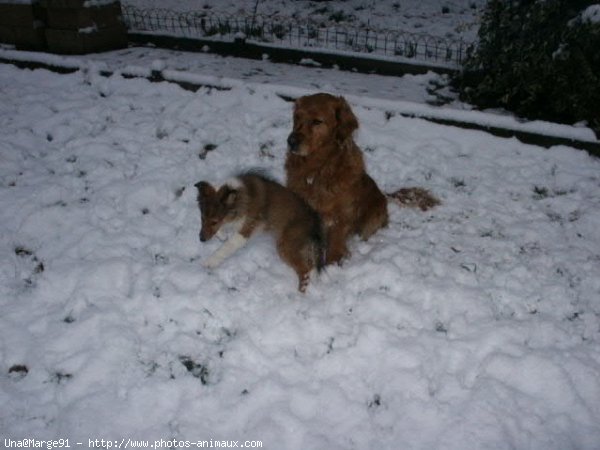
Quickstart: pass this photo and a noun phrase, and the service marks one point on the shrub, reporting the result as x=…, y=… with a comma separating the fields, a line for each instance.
x=539, y=59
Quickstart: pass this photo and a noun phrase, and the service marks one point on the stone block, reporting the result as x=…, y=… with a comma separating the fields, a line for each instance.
x=75, y=42
x=77, y=18
x=23, y=38
x=21, y=14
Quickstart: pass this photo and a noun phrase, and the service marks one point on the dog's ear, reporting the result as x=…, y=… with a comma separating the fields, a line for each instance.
x=203, y=187
x=347, y=121
x=204, y=190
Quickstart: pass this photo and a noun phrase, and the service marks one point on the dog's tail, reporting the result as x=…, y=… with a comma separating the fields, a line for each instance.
x=414, y=197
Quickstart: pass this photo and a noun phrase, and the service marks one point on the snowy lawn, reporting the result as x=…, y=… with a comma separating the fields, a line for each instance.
x=453, y=19
x=474, y=325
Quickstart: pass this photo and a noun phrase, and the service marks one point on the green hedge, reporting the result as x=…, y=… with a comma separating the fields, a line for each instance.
x=537, y=58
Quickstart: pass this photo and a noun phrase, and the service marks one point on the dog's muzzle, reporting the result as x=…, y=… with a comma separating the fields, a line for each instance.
x=293, y=143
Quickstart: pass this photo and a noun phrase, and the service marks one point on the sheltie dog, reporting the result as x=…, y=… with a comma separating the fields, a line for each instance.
x=252, y=202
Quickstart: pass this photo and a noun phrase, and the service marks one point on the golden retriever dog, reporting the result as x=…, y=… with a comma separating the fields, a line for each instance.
x=326, y=168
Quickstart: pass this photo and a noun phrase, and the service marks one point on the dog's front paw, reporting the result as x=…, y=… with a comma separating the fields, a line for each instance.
x=211, y=263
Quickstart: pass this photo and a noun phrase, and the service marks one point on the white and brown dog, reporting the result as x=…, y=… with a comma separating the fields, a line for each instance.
x=253, y=202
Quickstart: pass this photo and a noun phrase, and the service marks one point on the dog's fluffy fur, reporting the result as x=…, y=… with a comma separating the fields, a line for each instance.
x=253, y=202
x=326, y=168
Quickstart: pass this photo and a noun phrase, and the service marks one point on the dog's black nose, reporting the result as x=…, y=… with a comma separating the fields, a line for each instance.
x=293, y=142
x=202, y=238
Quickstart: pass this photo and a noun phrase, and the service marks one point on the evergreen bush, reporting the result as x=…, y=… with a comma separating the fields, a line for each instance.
x=539, y=59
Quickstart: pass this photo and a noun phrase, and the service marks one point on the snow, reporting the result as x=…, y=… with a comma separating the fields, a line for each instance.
x=591, y=14
x=18, y=2
x=472, y=325
x=88, y=30
x=96, y=3
x=453, y=19
x=407, y=95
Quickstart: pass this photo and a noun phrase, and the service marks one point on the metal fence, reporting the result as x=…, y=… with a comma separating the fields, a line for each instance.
x=295, y=34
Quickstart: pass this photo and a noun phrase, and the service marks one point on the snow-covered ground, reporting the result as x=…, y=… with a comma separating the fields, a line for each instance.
x=414, y=88
x=474, y=325
x=426, y=96
x=447, y=18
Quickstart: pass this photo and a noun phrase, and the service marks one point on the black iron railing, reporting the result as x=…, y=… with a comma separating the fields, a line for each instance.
x=296, y=34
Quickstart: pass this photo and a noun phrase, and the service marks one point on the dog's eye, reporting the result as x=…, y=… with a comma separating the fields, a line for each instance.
x=316, y=122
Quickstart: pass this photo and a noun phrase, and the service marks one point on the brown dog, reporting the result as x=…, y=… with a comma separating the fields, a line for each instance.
x=326, y=168
x=252, y=203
